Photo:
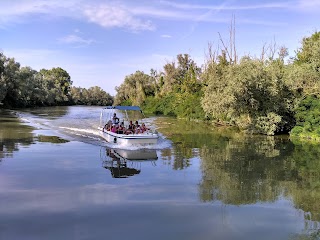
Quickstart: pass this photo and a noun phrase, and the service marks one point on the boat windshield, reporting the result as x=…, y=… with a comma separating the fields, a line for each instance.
x=124, y=113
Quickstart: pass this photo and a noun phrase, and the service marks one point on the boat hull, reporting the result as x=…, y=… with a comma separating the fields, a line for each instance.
x=131, y=139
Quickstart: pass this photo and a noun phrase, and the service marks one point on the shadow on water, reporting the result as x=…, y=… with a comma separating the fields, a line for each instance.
x=126, y=163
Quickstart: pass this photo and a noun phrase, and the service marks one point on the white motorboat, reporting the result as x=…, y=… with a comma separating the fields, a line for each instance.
x=124, y=137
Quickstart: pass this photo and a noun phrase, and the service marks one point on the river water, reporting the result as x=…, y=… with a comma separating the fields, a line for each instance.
x=60, y=180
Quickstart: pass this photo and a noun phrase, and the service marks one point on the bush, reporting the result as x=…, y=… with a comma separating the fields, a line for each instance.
x=308, y=119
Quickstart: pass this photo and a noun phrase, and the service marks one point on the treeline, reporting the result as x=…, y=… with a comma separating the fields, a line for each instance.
x=264, y=94
x=25, y=87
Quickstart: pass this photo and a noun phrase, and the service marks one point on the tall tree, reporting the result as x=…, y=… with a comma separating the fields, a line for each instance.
x=135, y=88
x=310, y=51
x=9, y=70
x=58, y=84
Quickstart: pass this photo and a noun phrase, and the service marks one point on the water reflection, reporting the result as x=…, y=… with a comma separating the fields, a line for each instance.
x=51, y=139
x=12, y=133
x=240, y=169
x=48, y=112
x=257, y=187
x=247, y=170
x=126, y=163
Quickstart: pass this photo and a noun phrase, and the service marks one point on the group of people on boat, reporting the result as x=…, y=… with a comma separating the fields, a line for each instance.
x=115, y=126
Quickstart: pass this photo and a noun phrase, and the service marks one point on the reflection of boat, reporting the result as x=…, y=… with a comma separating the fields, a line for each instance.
x=143, y=154
x=147, y=137
x=125, y=163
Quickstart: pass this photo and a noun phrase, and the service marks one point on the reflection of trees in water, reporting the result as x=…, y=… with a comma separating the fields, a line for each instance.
x=12, y=134
x=242, y=169
x=51, y=139
x=253, y=169
x=306, y=192
x=308, y=234
x=187, y=137
x=178, y=157
x=246, y=171
x=49, y=112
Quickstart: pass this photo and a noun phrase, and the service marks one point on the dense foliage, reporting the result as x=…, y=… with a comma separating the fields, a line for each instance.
x=177, y=91
x=258, y=95
x=25, y=87
x=308, y=119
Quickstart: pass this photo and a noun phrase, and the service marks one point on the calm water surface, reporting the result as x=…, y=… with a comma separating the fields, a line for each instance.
x=59, y=180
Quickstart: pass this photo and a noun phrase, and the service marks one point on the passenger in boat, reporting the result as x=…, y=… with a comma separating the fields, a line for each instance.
x=143, y=128
x=130, y=128
x=114, y=128
x=108, y=126
x=121, y=129
x=115, y=119
x=137, y=127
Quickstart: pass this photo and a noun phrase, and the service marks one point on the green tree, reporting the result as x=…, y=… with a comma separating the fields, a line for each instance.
x=29, y=91
x=92, y=96
x=9, y=80
x=308, y=119
x=3, y=87
x=310, y=51
x=252, y=95
x=135, y=88
x=179, y=90
x=304, y=79
x=57, y=83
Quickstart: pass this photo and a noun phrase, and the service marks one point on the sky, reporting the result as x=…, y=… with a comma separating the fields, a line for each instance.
x=100, y=42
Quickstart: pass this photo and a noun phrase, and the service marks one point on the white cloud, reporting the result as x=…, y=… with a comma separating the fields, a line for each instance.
x=109, y=16
x=166, y=36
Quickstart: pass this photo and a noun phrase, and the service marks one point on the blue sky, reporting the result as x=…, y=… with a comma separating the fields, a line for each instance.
x=99, y=42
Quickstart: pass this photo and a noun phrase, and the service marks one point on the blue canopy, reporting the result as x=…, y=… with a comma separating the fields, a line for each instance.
x=128, y=108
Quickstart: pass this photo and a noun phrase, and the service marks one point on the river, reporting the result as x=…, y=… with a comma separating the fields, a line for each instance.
x=60, y=180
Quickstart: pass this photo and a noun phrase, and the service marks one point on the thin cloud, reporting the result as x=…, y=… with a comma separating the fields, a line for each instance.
x=134, y=17
x=226, y=7
x=72, y=38
x=166, y=36
x=106, y=15
x=204, y=13
x=13, y=11
x=163, y=13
